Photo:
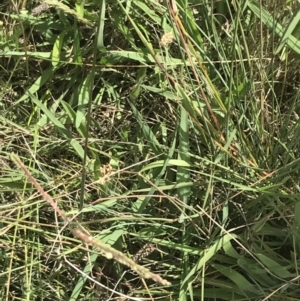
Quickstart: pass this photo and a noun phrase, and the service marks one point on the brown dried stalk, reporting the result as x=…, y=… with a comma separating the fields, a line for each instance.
x=78, y=231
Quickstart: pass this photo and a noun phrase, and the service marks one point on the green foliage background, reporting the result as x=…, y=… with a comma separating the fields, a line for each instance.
x=155, y=125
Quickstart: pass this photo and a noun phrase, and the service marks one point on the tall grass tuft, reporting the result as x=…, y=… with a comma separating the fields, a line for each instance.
x=164, y=135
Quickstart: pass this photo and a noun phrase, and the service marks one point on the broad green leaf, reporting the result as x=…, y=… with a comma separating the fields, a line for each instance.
x=38, y=55
x=256, y=272
x=77, y=48
x=229, y=272
x=207, y=254
x=294, y=23
x=275, y=267
x=100, y=41
x=56, y=51
x=83, y=99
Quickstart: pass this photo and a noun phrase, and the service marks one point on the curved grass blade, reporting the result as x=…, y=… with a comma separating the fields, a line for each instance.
x=100, y=41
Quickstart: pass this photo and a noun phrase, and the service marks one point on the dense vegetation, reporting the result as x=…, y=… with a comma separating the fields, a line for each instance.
x=168, y=130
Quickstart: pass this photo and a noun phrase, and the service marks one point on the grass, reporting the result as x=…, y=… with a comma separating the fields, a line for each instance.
x=164, y=134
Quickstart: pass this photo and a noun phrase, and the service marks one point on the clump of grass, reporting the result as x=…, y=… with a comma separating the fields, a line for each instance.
x=159, y=122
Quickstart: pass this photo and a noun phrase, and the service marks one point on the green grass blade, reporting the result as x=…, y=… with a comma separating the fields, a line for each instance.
x=275, y=267
x=206, y=255
x=83, y=99
x=74, y=143
x=293, y=24
x=100, y=40
x=242, y=283
x=268, y=20
x=56, y=51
